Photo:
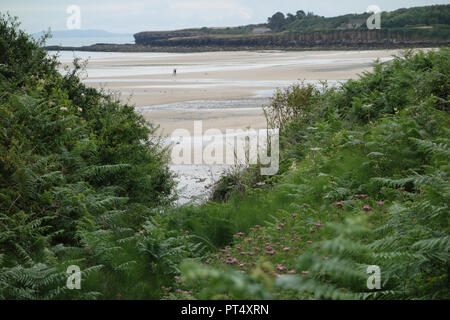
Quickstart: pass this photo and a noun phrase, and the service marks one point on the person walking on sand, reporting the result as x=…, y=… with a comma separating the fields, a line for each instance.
x=174, y=72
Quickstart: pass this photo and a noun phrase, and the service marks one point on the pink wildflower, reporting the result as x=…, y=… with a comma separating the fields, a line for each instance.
x=231, y=261
x=281, y=267
x=339, y=204
x=292, y=271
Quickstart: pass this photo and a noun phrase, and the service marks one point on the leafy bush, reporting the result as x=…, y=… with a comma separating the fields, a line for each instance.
x=78, y=174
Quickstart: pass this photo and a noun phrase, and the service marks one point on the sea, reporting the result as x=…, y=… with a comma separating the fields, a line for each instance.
x=86, y=41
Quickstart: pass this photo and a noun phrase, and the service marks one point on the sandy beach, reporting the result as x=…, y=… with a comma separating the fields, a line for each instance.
x=225, y=90
x=146, y=80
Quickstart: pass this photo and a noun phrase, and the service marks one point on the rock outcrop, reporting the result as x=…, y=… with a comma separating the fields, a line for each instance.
x=335, y=38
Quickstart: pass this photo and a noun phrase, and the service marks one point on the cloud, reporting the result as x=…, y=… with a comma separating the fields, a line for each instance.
x=230, y=7
x=137, y=15
x=123, y=7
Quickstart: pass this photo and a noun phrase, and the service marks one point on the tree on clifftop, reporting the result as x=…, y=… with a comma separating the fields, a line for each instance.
x=300, y=14
x=277, y=21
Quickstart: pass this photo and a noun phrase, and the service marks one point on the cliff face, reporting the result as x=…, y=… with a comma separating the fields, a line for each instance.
x=197, y=41
x=150, y=37
x=315, y=39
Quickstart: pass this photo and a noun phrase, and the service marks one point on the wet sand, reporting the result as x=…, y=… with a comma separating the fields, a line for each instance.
x=146, y=80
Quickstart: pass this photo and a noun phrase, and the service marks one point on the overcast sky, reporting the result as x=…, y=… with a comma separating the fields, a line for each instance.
x=132, y=16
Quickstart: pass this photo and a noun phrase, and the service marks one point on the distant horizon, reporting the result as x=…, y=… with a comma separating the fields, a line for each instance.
x=84, y=31
x=119, y=17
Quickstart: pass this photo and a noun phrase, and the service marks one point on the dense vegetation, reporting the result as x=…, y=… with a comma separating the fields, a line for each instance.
x=402, y=18
x=405, y=18
x=79, y=173
x=364, y=181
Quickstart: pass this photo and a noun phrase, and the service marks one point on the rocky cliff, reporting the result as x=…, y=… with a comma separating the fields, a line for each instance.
x=335, y=38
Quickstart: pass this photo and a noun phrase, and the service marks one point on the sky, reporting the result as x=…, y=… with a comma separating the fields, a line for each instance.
x=132, y=16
